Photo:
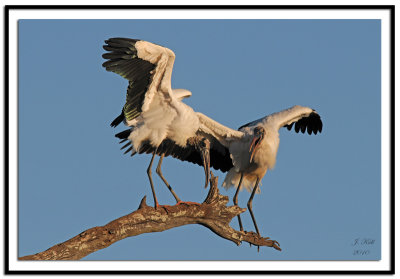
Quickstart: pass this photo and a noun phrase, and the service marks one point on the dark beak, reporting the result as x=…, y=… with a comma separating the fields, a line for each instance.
x=205, y=156
x=253, y=146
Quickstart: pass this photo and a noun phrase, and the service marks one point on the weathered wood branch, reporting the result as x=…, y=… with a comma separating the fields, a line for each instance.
x=212, y=213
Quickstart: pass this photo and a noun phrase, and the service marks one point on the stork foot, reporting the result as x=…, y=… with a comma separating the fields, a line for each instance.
x=167, y=208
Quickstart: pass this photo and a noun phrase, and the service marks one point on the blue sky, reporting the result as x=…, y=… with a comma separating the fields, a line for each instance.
x=323, y=193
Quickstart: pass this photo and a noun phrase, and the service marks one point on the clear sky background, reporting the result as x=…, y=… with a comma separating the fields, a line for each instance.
x=323, y=193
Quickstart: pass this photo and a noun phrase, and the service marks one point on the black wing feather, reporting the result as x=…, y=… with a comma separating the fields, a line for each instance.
x=289, y=127
x=123, y=60
x=311, y=123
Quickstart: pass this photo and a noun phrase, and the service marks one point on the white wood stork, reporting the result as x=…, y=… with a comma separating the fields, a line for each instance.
x=160, y=122
x=253, y=150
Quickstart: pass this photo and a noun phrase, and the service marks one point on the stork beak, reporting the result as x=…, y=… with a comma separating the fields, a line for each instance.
x=205, y=154
x=253, y=146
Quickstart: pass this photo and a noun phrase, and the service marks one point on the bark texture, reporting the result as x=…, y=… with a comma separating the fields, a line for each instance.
x=212, y=213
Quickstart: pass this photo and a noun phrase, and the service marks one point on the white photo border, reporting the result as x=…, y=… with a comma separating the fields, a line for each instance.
x=14, y=13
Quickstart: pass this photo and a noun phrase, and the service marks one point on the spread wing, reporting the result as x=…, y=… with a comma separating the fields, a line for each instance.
x=220, y=132
x=147, y=67
x=312, y=123
x=303, y=118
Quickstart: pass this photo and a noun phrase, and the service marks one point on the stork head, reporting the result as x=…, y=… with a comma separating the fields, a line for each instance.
x=204, y=146
x=258, y=136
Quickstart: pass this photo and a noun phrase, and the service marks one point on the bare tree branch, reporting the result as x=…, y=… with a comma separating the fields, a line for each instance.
x=212, y=213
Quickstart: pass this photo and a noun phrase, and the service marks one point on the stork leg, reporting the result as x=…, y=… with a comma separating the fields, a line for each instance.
x=158, y=171
x=151, y=180
x=249, y=206
x=235, y=200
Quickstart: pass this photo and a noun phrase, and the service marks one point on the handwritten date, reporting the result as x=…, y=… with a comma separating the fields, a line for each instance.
x=362, y=246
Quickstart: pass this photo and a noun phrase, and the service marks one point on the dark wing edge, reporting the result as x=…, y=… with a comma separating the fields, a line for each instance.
x=122, y=59
x=219, y=155
x=311, y=123
x=252, y=123
x=245, y=125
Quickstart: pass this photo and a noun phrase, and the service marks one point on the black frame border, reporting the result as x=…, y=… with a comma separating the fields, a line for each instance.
x=390, y=8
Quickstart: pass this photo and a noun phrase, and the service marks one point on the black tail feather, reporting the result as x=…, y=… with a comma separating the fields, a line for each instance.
x=118, y=120
x=124, y=134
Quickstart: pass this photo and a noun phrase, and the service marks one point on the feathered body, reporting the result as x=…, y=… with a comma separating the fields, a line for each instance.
x=257, y=168
x=160, y=122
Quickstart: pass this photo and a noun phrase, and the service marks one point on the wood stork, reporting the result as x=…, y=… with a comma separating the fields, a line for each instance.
x=254, y=153
x=253, y=148
x=160, y=123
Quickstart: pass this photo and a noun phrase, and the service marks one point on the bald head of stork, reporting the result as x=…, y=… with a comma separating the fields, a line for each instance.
x=258, y=136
